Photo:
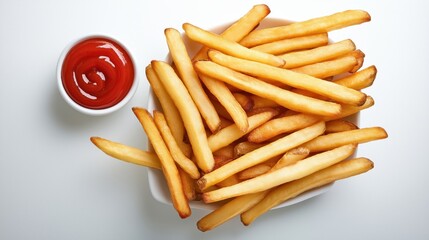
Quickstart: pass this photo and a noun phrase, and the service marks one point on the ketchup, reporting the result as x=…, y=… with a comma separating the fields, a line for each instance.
x=97, y=73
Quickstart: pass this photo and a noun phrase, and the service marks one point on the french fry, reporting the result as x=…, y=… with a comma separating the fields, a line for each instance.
x=229, y=210
x=302, y=81
x=171, y=174
x=188, y=185
x=170, y=110
x=319, y=54
x=359, y=56
x=217, y=42
x=286, y=174
x=291, y=157
x=221, y=160
x=339, y=126
x=329, y=68
x=316, y=25
x=289, y=190
x=231, y=133
x=359, y=80
x=229, y=181
x=333, y=140
x=245, y=147
x=240, y=28
x=282, y=125
x=245, y=101
x=127, y=153
x=293, y=44
x=227, y=151
x=184, y=162
x=259, y=102
x=348, y=110
x=189, y=113
x=255, y=86
x=227, y=100
x=190, y=78
x=261, y=154
x=254, y=171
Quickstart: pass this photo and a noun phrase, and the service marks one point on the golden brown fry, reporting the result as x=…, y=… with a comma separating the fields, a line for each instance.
x=189, y=113
x=286, y=174
x=127, y=153
x=230, y=47
x=328, y=68
x=169, y=108
x=184, y=162
x=259, y=102
x=254, y=171
x=312, y=26
x=359, y=80
x=291, y=157
x=293, y=44
x=282, y=125
x=221, y=160
x=319, y=54
x=339, y=125
x=348, y=110
x=190, y=78
x=229, y=210
x=227, y=100
x=245, y=147
x=255, y=86
x=231, y=133
x=261, y=154
x=171, y=174
x=292, y=189
x=188, y=185
x=240, y=28
x=231, y=180
x=333, y=140
x=302, y=81
x=227, y=151
x=245, y=101
x=359, y=56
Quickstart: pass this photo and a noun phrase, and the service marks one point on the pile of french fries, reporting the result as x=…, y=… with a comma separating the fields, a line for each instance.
x=257, y=116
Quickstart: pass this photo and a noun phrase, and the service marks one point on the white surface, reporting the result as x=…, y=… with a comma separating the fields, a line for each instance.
x=54, y=184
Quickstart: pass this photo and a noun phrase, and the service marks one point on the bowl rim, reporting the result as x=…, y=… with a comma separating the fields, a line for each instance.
x=78, y=107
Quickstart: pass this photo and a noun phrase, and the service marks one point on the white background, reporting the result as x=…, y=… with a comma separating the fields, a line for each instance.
x=54, y=184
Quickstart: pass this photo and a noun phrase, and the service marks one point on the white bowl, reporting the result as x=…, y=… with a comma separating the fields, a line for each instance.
x=157, y=183
x=90, y=111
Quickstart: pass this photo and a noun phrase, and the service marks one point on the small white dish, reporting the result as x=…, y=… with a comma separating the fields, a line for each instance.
x=157, y=183
x=87, y=110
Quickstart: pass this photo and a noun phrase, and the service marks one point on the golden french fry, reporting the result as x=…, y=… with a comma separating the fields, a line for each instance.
x=319, y=54
x=286, y=174
x=282, y=125
x=227, y=151
x=333, y=140
x=294, y=44
x=171, y=174
x=227, y=100
x=190, y=78
x=257, y=87
x=229, y=210
x=169, y=108
x=329, y=68
x=245, y=101
x=291, y=157
x=292, y=189
x=229, y=181
x=217, y=42
x=259, y=102
x=127, y=153
x=254, y=171
x=189, y=113
x=298, y=80
x=261, y=154
x=359, y=55
x=339, y=125
x=311, y=26
x=221, y=160
x=348, y=110
x=359, y=80
x=179, y=157
x=231, y=133
x=240, y=28
x=188, y=185
x=245, y=147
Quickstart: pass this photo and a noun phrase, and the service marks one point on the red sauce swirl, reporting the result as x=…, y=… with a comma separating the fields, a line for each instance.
x=97, y=73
